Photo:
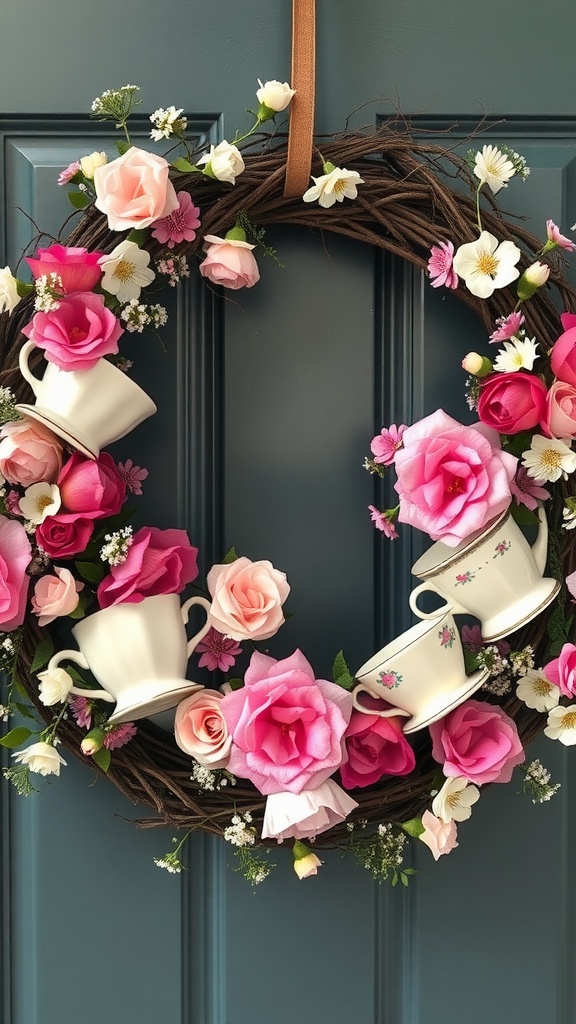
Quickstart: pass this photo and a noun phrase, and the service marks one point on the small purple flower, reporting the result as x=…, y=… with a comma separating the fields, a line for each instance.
x=507, y=327
x=526, y=491
x=118, y=735
x=385, y=445
x=382, y=522
x=68, y=173
x=473, y=642
x=132, y=476
x=218, y=651
x=12, y=501
x=440, y=266
x=81, y=709
x=180, y=225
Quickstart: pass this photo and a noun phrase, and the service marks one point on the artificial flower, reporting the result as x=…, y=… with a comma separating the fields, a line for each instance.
x=55, y=685
x=77, y=333
x=158, y=562
x=439, y=836
x=166, y=123
x=479, y=366
x=134, y=190
x=562, y=670
x=68, y=173
x=55, y=595
x=517, y=354
x=273, y=97
x=493, y=168
x=77, y=268
x=548, y=459
x=375, y=746
x=218, y=651
x=556, y=239
x=334, y=186
x=93, y=741
x=385, y=445
x=40, y=500
x=507, y=327
x=383, y=521
x=200, y=728
x=117, y=736
x=526, y=491
x=29, y=453
x=487, y=264
x=229, y=262
x=126, y=271
x=512, y=402
x=81, y=709
x=537, y=691
x=562, y=724
x=91, y=488
x=180, y=225
x=247, y=599
x=532, y=279
x=15, y=555
x=223, y=162
x=440, y=269
x=64, y=535
x=132, y=475
x=88, y=164
x=306, y=814
x=559, y=418
x=477, y=741
x=41, y=758
x=9, y=297
x=455, y=800
x=306, y=863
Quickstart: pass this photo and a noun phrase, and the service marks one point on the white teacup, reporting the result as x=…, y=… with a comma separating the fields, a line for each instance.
x=87, y=408
x=494, y=575
x=138, y=653
x=421, y=674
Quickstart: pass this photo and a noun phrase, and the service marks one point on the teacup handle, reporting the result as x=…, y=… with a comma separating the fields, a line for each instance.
x=201, y=632
x=80, y=660
x=449, y=606
x=25, y=370
x=387, y=713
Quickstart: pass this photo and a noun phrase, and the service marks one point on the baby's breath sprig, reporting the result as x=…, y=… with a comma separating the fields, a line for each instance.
x=254, y=865
x=536, y=782
x=116, y=105
x=19, y=776
x=171, y=861
x=382, y=854
x=8, y=411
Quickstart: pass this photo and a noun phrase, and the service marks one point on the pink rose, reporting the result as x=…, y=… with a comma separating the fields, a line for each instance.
x=438, y=835
x=200, y=729
x=562, y=671
x=511, y=402
x=375, y=746
x=77, y=334
x=64, y=535
x=559, y=419
x=77, y=268
x=563, y=355
x=29, y=453
x=158, y=562
x=15, y=555
x=134, y=190
x=477, y=741
x=306, y=814
x=229, y=262
x=451, y=480
x=247, y=599
x=91, y=488
x=287, y=727
x=55, y=596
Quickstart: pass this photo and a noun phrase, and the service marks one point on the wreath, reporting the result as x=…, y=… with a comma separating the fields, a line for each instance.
x=272, y=753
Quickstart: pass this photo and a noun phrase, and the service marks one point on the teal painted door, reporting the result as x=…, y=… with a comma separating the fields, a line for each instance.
x=310, y=362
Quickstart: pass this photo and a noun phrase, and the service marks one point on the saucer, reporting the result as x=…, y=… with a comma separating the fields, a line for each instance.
x=58, y=426
x=145, y=707
x=437, y=709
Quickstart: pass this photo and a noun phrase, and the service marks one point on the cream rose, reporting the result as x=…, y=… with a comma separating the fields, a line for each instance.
x=274, y=95
x=134, y=190
x=55, y=685
x=247, y=599
x=201, y=731
x=41, y=758
x=89, y=163
x=223, y=162
x=8, y=290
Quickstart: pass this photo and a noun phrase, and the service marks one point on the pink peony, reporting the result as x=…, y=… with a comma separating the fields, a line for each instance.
x=218, y=651
x=385, y=445
x=375, y=746
x=306, y=814
x=440, y=267
x=55, y=596
x=438, y=835
x=200, y=729
x=180, y=225
x=287, y=727
x=134, y=190
x=158, y=562
x=563, y=354
x=77, y=334
x=64, y=535
x=91, y=488
x=29, y=453
x=77, y=268
x=559, y=417
x=15, y=555
x=451, y=480
x=477, y=741
x=511, y=402
x=562, y=671
x=247, y=599
x=229, y=262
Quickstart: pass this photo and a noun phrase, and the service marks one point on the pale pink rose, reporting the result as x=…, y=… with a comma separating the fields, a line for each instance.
x=200, y=729
x=559, y=417
x=477, y=741
x=451, y=480
x=55, y=596
x=15, y=555
x=229, y=262
x=158, y=562
x=77, y=268
x=77, y=334
x=438, y=835
x=91, y=488
x=562, y=671
x=306, y=814
x=29, y=453
x=287, y=727
x=134, y=190
x=247, y=599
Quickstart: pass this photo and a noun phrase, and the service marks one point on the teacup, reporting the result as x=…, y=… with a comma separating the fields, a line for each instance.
x=87, y=408
x=494, y=575
x=138, y=653
x=421, y=674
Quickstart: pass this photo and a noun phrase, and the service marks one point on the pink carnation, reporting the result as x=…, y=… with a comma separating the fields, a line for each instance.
x=440, y=266
x=158, y=562
x=77, y=334
x=180, y=225
x=478, y=742
x=562, y=671
x=15, y=555
x=77, y=268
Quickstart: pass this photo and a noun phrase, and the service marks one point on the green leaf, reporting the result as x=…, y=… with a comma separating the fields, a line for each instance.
x=137, y=235
x=414, y=827
x=123, y=146
x=23, y=289
x=470, y=662
x=235, y=684
x=230, y=556
x=341, y=673
x=93, y=572
x=524, y=516
x=519, y=443
x=102, y=758
x=42, y=655
x=25, y=711
x=79, y=200
x=16, y=736
x=181, y=164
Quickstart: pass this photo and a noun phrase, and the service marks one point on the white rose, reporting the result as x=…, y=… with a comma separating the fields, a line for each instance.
x=55, y=685
x=90, y=163
x=223, y=162
x=8, y=290
x=274, y=95
x=41, y=758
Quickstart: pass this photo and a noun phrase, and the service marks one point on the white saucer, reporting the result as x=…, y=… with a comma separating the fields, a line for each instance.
x=437, y=709
x=58, y=426
x=145, y=708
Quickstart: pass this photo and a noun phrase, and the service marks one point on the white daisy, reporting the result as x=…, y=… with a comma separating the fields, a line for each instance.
x=537, y=691
x=562, y=725
x=455, y=799
x=486, y=265
x=548, y=459
x=334, y=186
x=493, y=168
x=40, y=500
x=126, y=271
x=517, y=354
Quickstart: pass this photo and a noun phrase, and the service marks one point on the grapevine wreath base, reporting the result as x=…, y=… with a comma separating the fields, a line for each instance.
x=405, y=206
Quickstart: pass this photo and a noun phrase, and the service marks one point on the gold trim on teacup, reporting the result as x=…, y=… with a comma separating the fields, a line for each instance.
x=459, y=556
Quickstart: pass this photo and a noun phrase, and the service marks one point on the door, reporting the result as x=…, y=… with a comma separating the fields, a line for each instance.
x=307, y=366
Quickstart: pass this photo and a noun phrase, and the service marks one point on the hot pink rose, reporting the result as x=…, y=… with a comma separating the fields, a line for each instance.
x=559, y=419
x=158, y=562
x=29, y=453
x=451, y=480
x=55, y=596
x=229, y=262
x=77, y=334
x=77, y=268
x=306, y=814
x=200, y=729
x=477, y=741
x=287, y=727
x=563, y=355
x=134, y=190
x=511, y=402
x=91, y=488
x=562, y=671
x=375, y=746
x=15, y=555
x=247, y=599
x=64, y=535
